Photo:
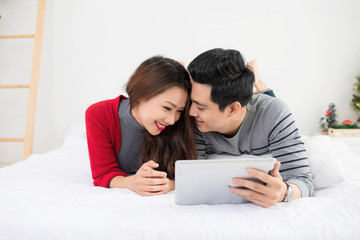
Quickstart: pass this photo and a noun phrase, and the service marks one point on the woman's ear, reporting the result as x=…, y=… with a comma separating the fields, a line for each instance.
x=235, y=107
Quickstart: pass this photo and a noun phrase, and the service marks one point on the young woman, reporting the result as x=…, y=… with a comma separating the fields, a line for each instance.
x=134, y=142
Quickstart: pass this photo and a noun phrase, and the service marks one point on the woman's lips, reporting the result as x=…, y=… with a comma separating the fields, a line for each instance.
x=160, y=126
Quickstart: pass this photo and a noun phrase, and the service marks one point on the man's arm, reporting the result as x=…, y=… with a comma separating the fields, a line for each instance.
x=285, y=145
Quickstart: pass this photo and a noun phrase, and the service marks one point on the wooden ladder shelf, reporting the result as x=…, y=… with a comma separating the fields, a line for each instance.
x=34, y=80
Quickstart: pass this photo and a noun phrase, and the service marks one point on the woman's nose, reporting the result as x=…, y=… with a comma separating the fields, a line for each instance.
x=171, y=119
x=192, y=111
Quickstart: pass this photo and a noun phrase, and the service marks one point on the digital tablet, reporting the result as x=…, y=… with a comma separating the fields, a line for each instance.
x=208, y=181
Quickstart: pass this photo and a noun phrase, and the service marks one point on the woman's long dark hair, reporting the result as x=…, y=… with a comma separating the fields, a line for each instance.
x=152, y=77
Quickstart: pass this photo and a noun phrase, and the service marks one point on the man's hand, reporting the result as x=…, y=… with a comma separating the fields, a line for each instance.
x=263, y=195
x=149, y=182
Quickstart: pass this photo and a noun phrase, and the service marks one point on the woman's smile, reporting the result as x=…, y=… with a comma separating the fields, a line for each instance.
x=160, y=126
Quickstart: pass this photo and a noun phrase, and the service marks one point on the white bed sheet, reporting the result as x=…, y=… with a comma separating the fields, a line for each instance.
x=51, y=196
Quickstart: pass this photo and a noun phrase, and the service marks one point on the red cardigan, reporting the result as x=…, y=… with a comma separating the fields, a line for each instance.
x=104, y=137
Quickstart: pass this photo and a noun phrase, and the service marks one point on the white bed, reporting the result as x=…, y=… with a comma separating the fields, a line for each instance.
x=51, y=196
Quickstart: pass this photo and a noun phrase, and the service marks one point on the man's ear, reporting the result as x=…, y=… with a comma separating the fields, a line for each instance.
x=234, y=108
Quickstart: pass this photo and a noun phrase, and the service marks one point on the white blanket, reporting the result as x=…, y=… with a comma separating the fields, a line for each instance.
x=51, y=196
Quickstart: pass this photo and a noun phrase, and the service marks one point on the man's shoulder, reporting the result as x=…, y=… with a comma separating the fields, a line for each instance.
x=262, y=101
x=266, y=111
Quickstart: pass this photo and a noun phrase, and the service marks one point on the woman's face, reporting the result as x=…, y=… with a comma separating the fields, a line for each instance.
x=161, y=110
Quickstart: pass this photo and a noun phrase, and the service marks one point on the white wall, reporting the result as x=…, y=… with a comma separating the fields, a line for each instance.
x=307, y=51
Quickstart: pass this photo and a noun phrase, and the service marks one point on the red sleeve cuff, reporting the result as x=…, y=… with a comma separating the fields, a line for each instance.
x=104, y=180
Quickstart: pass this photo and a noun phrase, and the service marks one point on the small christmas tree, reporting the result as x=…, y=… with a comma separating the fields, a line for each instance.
x=331, y=116
x=329, y=121
x=355, y=103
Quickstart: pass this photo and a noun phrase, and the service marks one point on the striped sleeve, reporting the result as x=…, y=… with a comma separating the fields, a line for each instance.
x=286, y=146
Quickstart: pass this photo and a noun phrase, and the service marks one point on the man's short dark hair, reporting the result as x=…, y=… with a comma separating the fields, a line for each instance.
x=225, y=71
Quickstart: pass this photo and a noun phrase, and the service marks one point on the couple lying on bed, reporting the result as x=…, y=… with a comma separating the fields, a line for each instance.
x=173, y=114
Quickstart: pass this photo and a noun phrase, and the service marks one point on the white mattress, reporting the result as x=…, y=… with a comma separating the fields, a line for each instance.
x=51, y=196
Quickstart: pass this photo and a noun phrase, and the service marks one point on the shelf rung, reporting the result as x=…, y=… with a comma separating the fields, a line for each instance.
x=17, y=36
x=11, y=139
x=14, y=86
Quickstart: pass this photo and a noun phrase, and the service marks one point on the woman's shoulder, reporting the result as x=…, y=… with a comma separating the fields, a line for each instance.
x=105, y=106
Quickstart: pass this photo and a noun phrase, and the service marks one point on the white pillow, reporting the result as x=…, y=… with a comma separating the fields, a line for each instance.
x=325, y=161
x=75, y=134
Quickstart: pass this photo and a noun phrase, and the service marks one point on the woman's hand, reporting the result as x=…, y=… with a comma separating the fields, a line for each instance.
x=149, y=182
x=171, y=186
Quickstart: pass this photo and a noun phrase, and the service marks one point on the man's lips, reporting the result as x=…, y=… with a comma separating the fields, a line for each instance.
x=160, y=126
x=198, y=122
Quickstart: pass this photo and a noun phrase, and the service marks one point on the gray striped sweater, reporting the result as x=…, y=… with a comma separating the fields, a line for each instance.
x=268, y=128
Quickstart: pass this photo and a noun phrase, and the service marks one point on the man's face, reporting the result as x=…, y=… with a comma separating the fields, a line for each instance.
x=207, y=114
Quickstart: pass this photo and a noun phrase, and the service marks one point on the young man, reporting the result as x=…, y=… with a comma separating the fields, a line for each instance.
x=231, y=120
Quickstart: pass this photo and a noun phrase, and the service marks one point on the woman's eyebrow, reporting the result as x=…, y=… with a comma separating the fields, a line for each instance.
x=171, y=103
x=174, y=105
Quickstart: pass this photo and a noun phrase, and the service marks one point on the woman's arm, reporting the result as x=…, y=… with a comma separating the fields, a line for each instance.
x=101, y=144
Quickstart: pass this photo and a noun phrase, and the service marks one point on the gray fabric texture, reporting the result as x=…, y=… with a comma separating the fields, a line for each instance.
x=131, y=139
